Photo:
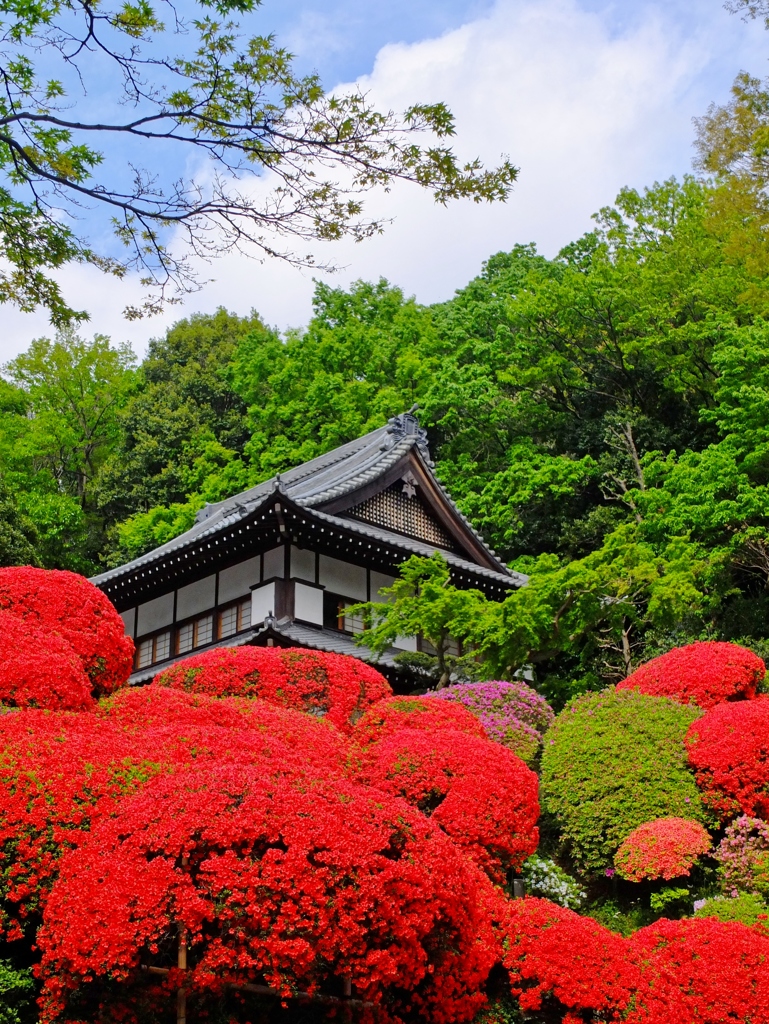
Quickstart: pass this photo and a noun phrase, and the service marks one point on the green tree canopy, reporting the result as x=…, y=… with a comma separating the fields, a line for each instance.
x=365, y=355
x=189, y=89
x=423, y=601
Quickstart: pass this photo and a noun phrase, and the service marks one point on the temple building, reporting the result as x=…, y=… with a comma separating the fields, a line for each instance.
x=280, y=563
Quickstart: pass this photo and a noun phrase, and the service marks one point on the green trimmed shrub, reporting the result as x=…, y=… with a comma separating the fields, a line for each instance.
x=17, y=994
x=745, y=907
x=611, y=762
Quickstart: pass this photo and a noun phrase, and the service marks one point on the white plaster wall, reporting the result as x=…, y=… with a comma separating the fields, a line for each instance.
x=262, y=603
x=273, y=563
x=303, y=564
x=308, y=603
x=238, y=579
x=342, y=577
x=155, y=614
x=406, y=643
x=379, y=581
x=129, y=620
x=195, y=597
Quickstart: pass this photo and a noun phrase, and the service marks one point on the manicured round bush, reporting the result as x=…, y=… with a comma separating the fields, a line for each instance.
x=664, y=848
x=743, y=857
x=704, y=673
x=58, y=770
x=293, y=884
x=700, y=970
x=332, y=685
x=555, y=956
x=729, y=752
x=39, y=669
x=512, y=714
x=480, y=794
x=743, y=907
x=543, y=877
x=395, y=713
x=179, y=727
x=56, y=601
x=612, y=761
x=61, y=772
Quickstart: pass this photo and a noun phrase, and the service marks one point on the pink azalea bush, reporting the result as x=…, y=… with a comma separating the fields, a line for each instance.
x=512, y=714
x=743, y=856
x=664, y=848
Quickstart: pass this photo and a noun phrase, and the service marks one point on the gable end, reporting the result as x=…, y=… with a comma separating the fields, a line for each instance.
x=400, y=509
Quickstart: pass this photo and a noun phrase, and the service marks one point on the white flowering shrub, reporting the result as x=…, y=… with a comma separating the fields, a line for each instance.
x=543, y=877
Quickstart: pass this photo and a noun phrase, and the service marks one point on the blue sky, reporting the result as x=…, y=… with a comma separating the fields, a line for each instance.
x=585, y=96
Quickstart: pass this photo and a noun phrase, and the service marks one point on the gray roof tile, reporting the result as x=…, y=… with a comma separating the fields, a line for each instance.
x=327, y=477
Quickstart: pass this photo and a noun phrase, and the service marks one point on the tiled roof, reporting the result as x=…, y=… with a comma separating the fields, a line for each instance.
x=304, y=636
x=327, y=640
x=326, y=478
x=419, y=547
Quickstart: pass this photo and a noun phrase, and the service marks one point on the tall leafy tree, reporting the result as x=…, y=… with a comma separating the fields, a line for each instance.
x=75, y=389
x=423, y=601
x=183, y=418
x=366, y=354
x=587, y=363
x=58, y=424
x=189, y=90
x=182, y=432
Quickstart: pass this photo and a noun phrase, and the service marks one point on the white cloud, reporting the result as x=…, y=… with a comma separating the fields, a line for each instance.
x=583, y=105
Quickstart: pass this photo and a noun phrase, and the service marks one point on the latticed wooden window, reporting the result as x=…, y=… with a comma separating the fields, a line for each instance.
x=349, y=623
x=197, y=633
x=162, y=646
x=185, y=638
x=204, y=630
x=144, y=653
x=235, y=618
x=228, y=621
x=402, y=513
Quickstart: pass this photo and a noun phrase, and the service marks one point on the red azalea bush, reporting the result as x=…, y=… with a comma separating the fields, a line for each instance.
x=320, y=684
x=39, y=669
x=566, y=963
x=478, y=792
x=178, y=727
x=704, y=673
x=275, y=882
x=62, y=772
x=700, y=969
x=56, y=601
x=58, y=771
x=395, y=713
x=664, y=848
x=697, y=969
x=729, y=752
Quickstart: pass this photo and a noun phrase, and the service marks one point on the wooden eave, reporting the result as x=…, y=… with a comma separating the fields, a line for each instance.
x=432, y=495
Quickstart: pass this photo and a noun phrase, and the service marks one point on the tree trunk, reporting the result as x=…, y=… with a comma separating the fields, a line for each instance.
x=627, y=656
x=181, y=963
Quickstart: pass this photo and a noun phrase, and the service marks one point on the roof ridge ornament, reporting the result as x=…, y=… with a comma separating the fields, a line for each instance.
x=406, y=425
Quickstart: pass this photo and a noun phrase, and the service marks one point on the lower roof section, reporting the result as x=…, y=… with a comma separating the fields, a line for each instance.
x=282, y=633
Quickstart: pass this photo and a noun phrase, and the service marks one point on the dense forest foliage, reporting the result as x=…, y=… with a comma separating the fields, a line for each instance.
x=602, y=417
